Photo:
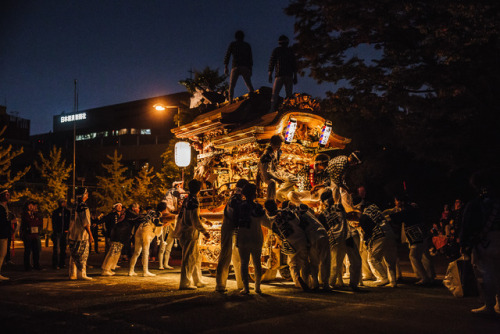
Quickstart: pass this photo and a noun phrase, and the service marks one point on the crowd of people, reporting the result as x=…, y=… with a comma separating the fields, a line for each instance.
x=327, y=231
x=445, y=233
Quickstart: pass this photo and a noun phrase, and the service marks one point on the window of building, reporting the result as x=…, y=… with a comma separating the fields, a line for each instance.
x=122, y=132
x=86, y=136
x=145, y=131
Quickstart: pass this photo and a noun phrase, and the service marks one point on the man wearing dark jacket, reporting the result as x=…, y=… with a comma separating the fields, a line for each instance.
x=283, y=64
x=480, y=238
x=414, y=229
x=60, y=227
x=110, y=220
x=120, y=235
x=242, y=63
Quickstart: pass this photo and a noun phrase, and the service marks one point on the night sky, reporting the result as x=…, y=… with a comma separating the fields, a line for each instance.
x=125, y=50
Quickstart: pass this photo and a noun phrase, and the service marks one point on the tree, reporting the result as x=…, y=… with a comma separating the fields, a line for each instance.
x=207, y=79
x=429, y=68
x=144, y=190
x=114, y=186
x=7, y=180
x=207, y=88
x=54, y=171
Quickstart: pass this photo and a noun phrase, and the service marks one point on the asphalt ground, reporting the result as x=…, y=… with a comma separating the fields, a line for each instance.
x=47, y=302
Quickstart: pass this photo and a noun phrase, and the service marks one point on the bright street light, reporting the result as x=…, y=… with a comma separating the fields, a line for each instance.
x=161, y=107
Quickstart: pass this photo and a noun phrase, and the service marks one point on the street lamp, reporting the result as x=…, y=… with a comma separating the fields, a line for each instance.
x=161, y=107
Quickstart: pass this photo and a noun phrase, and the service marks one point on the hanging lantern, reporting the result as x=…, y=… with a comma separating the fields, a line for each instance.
x=290, y=130
x=182, y=154
x=325, y=133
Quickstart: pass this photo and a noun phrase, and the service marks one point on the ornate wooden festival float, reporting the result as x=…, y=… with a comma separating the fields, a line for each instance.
x=230, y=141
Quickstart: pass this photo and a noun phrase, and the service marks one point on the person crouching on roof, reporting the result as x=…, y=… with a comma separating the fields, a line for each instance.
x=188, y=229
x=250, y=239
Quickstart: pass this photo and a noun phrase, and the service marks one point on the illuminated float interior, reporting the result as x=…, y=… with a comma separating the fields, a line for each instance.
x=230, y=141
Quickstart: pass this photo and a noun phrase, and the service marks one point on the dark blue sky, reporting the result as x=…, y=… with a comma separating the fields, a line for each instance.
x=125, y=50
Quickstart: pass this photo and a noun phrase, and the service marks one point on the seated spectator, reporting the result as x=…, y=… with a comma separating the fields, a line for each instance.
x=446, y=214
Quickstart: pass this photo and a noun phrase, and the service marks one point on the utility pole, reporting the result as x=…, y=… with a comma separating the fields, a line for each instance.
x=75, y=111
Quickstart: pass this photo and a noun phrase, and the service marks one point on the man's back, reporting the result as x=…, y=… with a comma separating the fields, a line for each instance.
x=241, y=52
x=283, y=61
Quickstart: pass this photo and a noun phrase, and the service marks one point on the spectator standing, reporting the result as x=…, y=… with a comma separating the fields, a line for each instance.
x=13, y=229
x=457, y=214
x=242, y=63
x=417, y=238
x=95, y=221
x=480, y=237
x=284, y=65
x=5, y=226
x=60, y=226
x=446, y=214
x=110, y=220
x=31, y=226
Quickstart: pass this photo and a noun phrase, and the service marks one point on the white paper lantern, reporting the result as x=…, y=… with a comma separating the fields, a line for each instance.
x=182, y=154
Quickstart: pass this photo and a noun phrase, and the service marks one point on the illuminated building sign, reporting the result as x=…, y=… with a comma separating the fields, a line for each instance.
x=72, y=118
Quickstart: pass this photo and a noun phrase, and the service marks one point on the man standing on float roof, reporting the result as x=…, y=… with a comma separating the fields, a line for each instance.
x=284, y=65
x=242, y=63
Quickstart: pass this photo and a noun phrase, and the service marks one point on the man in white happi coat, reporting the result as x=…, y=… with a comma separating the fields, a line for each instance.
x=333, y=218
x=174, y=200
x=319, y=248
x=150, y=228
x=337, y=169
x=188, y=228
x=380, y=242
x=285, y=224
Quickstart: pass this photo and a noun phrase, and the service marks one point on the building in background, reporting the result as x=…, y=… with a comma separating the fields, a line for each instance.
x=17, y=132
x=137, y=130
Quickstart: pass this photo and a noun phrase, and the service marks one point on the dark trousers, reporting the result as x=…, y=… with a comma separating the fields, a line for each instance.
x=95, y=235
x=32, y=247
x=9, y=244
x=59, y=250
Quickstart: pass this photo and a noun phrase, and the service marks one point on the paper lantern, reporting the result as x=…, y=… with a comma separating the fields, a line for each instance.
x=182, y=154
x=325, y=133
x=290, y=130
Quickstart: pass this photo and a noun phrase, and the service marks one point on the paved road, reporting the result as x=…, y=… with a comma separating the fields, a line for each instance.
x=46, y=302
